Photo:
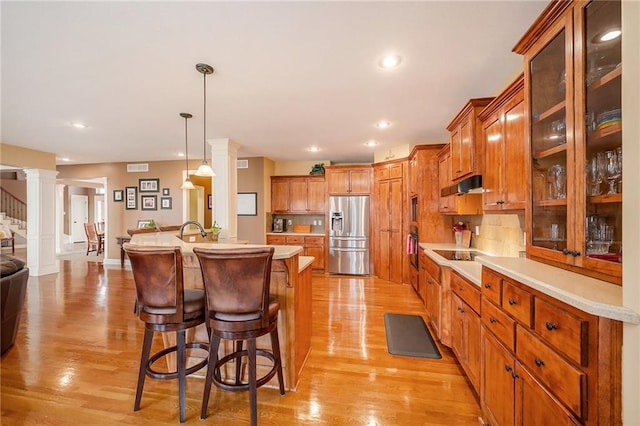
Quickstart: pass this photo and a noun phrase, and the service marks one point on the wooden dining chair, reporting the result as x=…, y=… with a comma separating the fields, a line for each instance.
x=94, y=242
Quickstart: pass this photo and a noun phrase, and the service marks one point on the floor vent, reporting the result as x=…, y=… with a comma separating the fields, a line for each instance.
x=137, y=168
x=242, y=164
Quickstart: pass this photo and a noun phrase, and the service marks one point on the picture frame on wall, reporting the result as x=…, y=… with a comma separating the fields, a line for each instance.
x=118, y=195
x=247, y=203
x=165, y=192
x=165, y=203
x=149, y=185
x=143, y=223
x=131, y=197
x=148, y=202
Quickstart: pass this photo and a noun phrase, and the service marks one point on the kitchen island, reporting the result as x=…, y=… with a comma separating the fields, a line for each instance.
x=290, y=282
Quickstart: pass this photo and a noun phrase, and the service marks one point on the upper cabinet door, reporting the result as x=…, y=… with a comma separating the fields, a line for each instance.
x=550, y=75
x=599, y=134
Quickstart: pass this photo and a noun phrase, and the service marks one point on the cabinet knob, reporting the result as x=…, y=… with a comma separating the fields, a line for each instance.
x=508, y=367
x=460, y=289
x=565, y=251
x=487, y=285
x=575, y=253
x=512, y=301
x=539, y=362
x=514, y=375
x=492, y=320
x=551, y=326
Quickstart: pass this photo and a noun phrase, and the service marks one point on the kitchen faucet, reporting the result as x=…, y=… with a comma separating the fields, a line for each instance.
x=193, y=222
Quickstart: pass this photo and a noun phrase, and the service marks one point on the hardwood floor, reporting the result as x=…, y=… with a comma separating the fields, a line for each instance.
x=77, y=353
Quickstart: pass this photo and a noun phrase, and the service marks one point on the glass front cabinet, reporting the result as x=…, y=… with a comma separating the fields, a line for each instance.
x=573, y=69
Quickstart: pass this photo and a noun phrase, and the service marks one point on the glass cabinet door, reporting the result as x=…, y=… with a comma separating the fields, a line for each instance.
x=600, y=79
x=551, y=196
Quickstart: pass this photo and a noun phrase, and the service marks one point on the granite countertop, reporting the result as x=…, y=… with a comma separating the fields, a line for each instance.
x=170, y=239
x=301, y=234
x=304, y=262
x=588, y=294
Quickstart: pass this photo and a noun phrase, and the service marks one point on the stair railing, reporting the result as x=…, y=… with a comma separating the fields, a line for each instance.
x=13, y=208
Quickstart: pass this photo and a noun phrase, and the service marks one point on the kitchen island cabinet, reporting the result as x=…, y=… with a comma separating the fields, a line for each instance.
x=290, y=281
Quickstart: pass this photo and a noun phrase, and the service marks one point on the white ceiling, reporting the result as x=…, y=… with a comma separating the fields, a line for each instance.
x=288, y=74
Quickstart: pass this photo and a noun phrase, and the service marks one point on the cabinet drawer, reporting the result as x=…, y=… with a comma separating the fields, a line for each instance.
x=491, y=286
x=298, y=241
x=566, y=332
x=566, y=382
x=517, y=302
x=314, y=241
x=467, y=291
x=499, y=323
x=276, y=240
x=432, y=268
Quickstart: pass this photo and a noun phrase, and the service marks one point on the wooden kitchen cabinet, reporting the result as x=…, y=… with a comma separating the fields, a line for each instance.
x=311, y=245
x=297, y=194
x=431, y=289
x=544, y=362
x=389, y=206
x=573, y=120
x=348, y=180
x=465, y=327
x=467, y=157
x=454, y=204
x=504, y=179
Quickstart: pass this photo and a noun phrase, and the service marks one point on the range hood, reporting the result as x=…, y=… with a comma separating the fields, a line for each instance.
x=470, y=185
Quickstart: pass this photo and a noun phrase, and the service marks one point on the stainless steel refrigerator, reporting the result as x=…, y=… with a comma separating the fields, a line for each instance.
x=349, y=234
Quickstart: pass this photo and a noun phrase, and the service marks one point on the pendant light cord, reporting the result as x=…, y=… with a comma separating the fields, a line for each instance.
x=204, y=136
x=186, y=147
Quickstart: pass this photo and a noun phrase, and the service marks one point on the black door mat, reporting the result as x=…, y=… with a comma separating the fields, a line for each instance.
x=408, y=335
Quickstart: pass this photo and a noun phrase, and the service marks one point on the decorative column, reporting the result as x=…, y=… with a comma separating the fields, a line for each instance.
x=224, y=158
x=60, y=218
x=41, y=222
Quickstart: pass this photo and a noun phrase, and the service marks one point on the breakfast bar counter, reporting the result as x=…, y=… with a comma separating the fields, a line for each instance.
x=290, y=282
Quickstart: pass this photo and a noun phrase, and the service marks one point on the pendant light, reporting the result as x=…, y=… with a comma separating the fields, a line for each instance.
x=204, y=169
x=187, y=182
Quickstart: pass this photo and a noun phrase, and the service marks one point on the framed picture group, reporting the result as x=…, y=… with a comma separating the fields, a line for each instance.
x=148, y=201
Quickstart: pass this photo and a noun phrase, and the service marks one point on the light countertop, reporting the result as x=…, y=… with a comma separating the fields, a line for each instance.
x=170, y=239
x=304, y=262
x=588, y=294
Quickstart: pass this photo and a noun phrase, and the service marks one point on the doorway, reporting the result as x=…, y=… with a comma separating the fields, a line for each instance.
x=79, y=216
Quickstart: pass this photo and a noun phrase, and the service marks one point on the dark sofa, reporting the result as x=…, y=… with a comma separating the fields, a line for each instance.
x=13, y=286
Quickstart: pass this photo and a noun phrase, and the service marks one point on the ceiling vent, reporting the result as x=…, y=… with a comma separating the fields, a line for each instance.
x=137, y=168
x=242, y=164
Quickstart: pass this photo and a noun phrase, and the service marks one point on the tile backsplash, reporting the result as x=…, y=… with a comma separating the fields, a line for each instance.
x=500, y=234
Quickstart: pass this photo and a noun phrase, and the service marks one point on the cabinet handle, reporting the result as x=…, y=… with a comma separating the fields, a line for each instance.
x=565, y=251
x=512, y=301
x=514, y=375
x=492, y=320
x=508, y=367
x=575, y=253
x=551, y=326
x=460, y=289
x=539, y=362
x=458, y=171
x=487, y=285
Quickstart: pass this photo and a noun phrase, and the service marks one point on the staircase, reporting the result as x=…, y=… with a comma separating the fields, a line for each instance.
x=13, y=213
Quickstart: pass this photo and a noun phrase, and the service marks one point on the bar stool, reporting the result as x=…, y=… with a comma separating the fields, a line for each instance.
x=239, y=307
x=165, y=306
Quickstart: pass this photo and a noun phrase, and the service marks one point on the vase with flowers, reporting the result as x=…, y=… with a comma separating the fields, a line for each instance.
x=215, y=231
x=458, y=228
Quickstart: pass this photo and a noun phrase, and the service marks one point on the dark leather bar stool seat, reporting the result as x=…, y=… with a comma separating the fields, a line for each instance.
x=239, y=308
x=165, y=306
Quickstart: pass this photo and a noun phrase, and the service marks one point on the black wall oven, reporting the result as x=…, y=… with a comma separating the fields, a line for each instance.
x=412, y=246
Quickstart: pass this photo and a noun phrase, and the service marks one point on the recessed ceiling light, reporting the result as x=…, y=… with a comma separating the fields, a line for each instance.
x=314, y=149
x=383, y=124
x=371, y=143
x=79, y=125
x=389, y=61
x=65, y=159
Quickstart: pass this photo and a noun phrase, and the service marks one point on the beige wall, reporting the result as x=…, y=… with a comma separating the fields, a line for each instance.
x=118, y=218
x=17, y=188
x=289, y=168
x=631, y=207
x=252, y=179
x=11, y=155
x=395, y=152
